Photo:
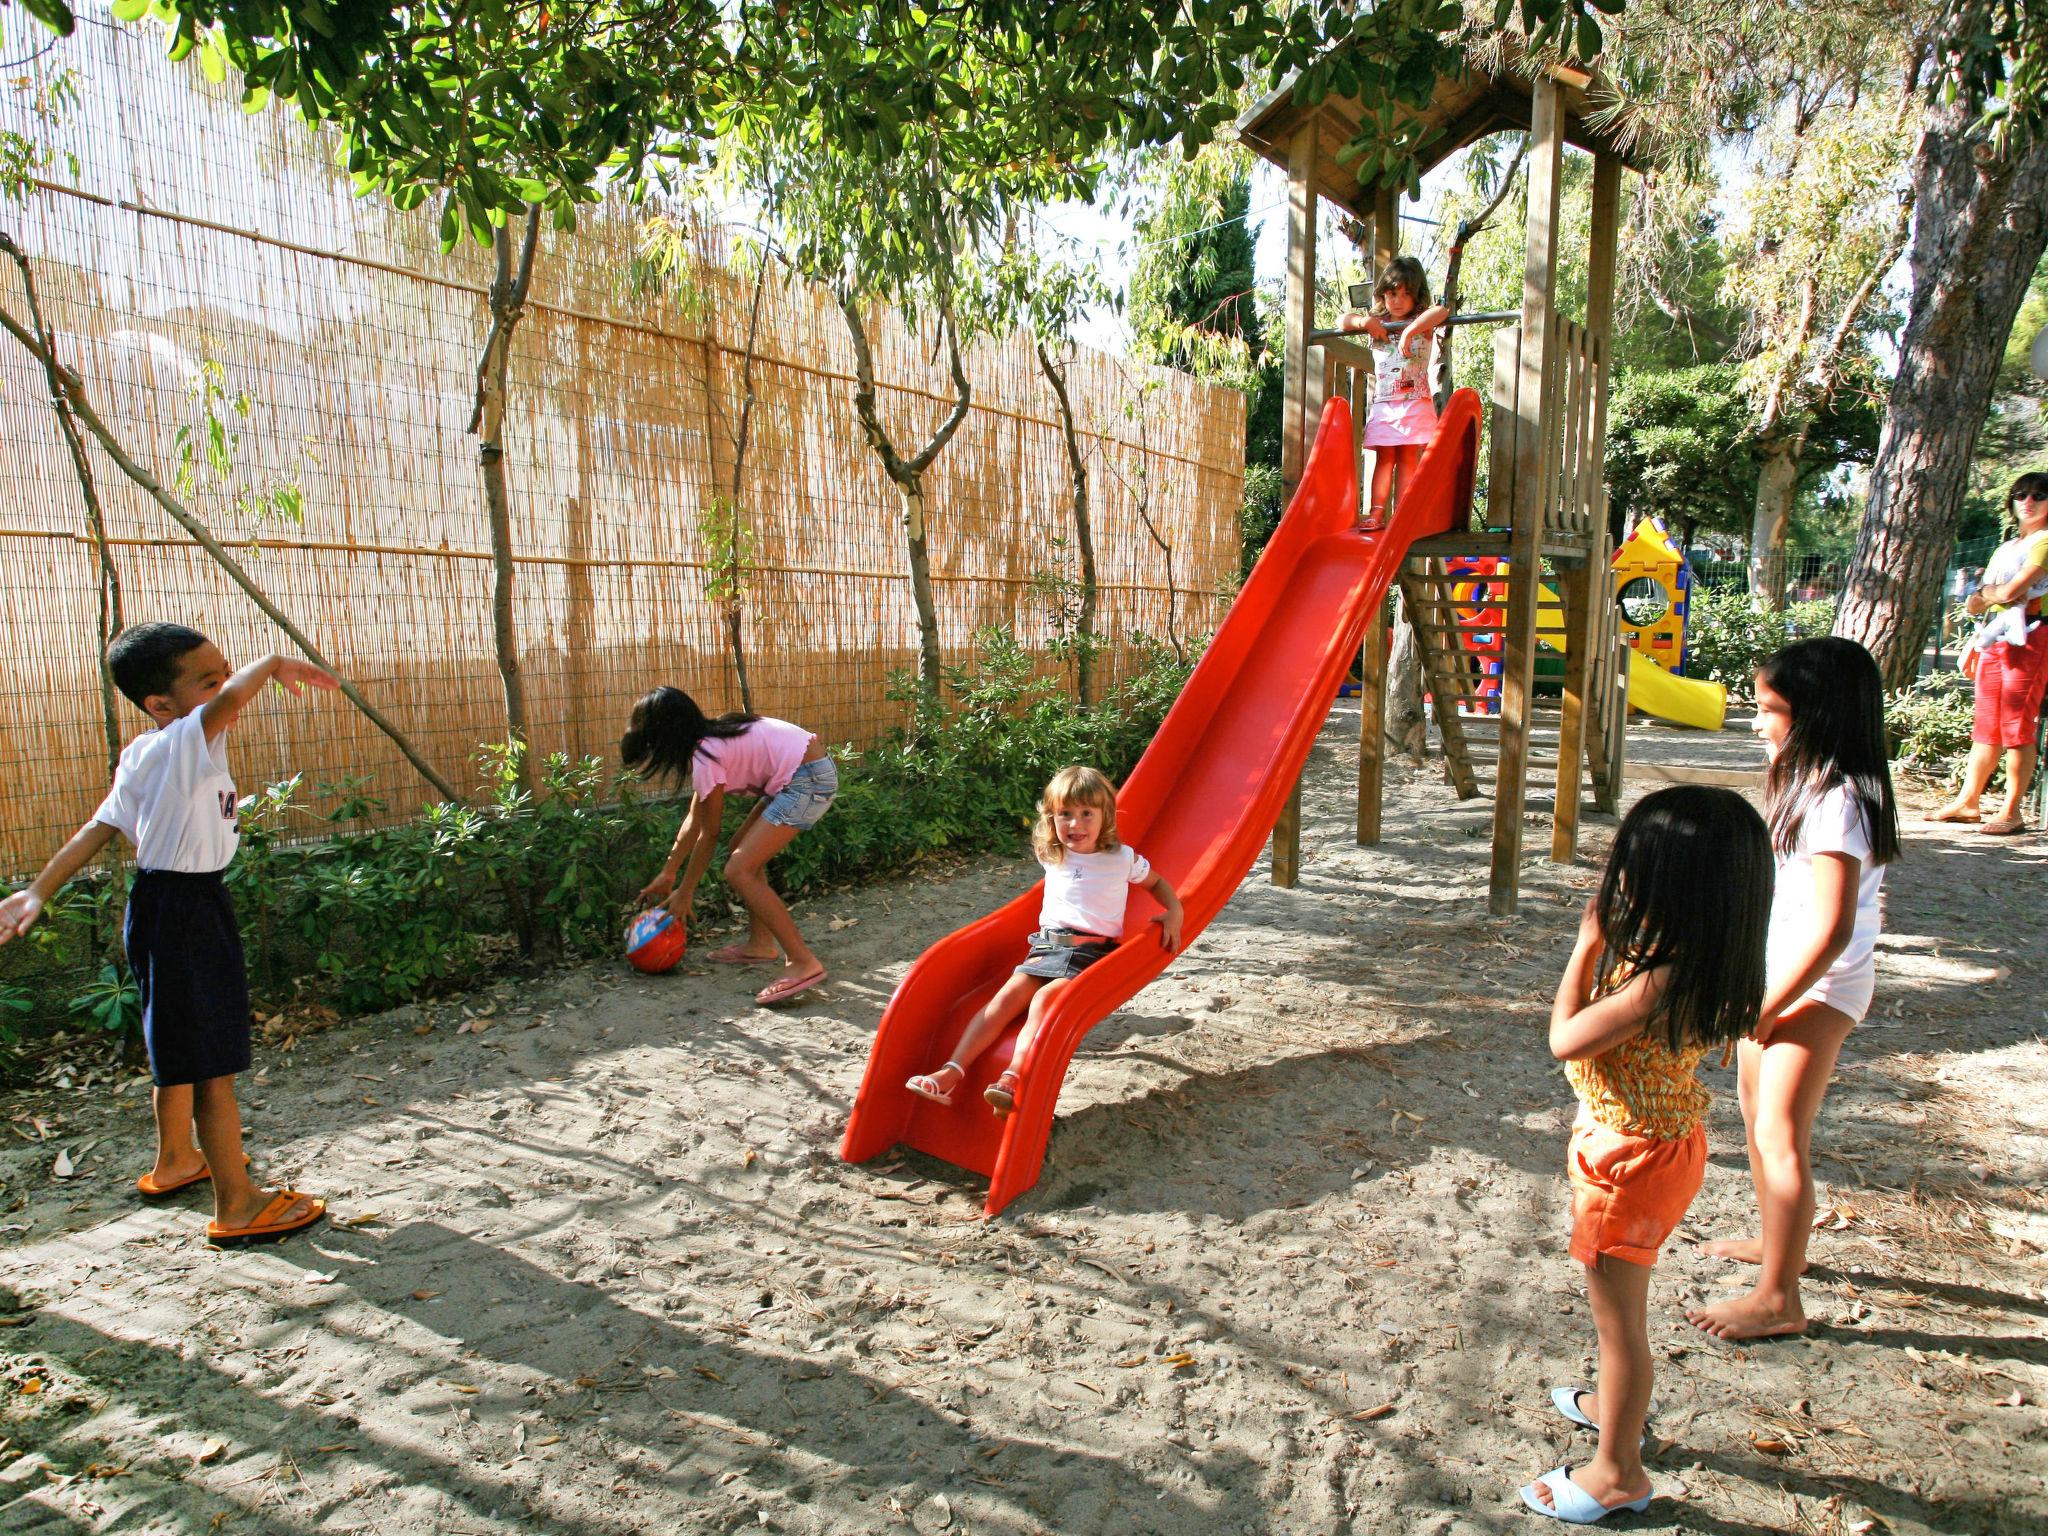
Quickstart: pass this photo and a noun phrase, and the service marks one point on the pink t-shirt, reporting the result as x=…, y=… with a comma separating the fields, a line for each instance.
x=758, y=761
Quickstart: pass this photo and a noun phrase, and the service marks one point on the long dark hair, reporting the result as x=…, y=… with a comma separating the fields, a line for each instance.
x=1688, y=887
x=1835, y=695
x=665, y=730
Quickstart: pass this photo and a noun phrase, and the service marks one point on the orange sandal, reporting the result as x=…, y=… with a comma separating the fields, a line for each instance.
x=149, y=1189
x=1002, y=1093
x=269, y=1224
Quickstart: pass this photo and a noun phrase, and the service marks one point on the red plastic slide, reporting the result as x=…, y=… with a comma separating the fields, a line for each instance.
x=1199, y=805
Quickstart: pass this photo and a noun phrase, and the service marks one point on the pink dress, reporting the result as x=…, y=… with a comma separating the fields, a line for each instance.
x=1403, y=412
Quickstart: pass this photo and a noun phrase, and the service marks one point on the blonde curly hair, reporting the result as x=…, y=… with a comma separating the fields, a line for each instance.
x=1086, y=787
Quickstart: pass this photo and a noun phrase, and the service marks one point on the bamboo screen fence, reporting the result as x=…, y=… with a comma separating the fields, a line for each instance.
x=187, y=234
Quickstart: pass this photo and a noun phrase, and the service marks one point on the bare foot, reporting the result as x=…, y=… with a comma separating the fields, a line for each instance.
x=1607, y=1491
x=1956, y=810
x=177, y=1169
x=1741, y=1250
x=1748, y=1317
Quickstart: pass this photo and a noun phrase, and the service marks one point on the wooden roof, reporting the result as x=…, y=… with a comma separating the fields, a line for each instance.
x=1468, y=104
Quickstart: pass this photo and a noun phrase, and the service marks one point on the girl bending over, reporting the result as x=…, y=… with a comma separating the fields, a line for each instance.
x=795, y=778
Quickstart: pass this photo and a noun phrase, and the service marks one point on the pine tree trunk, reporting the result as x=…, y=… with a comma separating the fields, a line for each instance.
x=1407, y=725
x=1979, y=230
x=1777, y=482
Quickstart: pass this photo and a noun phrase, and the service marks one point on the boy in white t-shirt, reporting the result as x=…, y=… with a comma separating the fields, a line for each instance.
x=173, y=799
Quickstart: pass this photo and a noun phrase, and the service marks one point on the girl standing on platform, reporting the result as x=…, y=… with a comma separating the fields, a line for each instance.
x=1669, y=964
x=1834, y=827
x=1402, y=417
x=1088, y=875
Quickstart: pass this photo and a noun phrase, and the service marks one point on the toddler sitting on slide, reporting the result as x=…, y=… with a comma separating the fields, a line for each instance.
x=1087, y=871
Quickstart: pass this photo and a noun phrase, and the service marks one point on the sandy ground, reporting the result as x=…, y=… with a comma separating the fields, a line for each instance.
x=1296, y=1264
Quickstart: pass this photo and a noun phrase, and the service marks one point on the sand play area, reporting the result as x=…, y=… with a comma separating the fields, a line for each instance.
x=1297, y=1262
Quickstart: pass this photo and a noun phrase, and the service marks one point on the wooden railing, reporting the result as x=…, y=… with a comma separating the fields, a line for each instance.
x=1573, y=496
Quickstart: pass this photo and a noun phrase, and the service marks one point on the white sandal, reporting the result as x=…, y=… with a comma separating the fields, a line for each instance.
x=930, y=1080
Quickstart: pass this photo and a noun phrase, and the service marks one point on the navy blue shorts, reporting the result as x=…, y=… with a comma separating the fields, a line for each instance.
x=186, y=953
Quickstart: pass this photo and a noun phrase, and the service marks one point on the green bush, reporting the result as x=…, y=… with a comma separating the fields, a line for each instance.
x=1928, y=725
x=1729, y=635
x=364, y=920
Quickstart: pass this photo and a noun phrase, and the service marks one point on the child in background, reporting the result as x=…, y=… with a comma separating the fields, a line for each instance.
x=1402, y=417
x=173, y=799
x=1834, y=827
x=1087, y=875
x=1669, y=964
x=796, y=780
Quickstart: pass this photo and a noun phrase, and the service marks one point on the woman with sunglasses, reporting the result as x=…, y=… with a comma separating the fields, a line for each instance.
x=2011, y=673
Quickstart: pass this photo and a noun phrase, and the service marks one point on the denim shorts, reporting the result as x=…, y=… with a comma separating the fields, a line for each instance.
x=806, y=797
x=1055, y=954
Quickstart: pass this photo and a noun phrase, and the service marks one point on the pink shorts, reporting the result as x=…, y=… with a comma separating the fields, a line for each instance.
x=1400, y=423
x=2010, y=680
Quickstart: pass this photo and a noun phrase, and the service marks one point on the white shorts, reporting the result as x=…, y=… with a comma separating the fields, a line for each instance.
x=1847, y=992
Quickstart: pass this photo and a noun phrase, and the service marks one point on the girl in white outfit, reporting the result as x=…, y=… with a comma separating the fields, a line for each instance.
x=1834, y=827
x=1088, y=875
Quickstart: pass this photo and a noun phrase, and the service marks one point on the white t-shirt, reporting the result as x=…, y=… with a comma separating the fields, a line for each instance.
x=173, y=799
x=1834, y=823
x=1086, y=891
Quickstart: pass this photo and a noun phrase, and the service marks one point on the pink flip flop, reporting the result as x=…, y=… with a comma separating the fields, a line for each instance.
x=782, y=991
x=735, y=954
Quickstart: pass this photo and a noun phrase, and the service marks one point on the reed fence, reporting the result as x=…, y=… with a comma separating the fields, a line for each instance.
x=176, y=240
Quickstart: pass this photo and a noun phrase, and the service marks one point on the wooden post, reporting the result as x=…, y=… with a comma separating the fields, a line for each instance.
x=1386, y=228
x=1525, y=541
x=1577, y=587
x=1372, y=725
x=1385, y=235
x=1302, y=383
x=1602, y=246
x=1287, y=840
x=1300, y=406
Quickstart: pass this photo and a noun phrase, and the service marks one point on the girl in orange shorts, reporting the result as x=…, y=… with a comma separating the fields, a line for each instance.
x=1669, y=963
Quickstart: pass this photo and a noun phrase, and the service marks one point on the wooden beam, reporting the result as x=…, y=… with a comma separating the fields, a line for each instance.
x=1576, y=588
x=1301, y=403
x=1287, y=841
x=1297, y=389
x=1602, y=246
x=1386, y=228
x=1682, y=773
x=1532, y=387
x=1372, y=725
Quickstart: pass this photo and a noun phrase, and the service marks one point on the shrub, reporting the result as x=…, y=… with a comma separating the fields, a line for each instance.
x=368, y=919
x=1928, y=725
x=1729, y=635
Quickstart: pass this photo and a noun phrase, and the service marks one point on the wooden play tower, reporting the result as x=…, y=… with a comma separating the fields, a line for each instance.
x=1546, y=494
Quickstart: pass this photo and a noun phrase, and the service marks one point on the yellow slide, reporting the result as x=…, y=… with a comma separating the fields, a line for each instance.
x=1681, y=700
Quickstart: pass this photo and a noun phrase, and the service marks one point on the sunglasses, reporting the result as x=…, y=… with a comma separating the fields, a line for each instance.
x=2030, y=495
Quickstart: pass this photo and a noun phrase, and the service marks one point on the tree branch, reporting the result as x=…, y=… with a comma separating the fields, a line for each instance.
x=74, y=393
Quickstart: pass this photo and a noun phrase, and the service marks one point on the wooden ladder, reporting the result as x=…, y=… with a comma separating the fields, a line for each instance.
x=1451, y=676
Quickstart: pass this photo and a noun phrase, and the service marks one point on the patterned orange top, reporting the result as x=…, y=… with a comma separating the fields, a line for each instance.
x=1643, y=1088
